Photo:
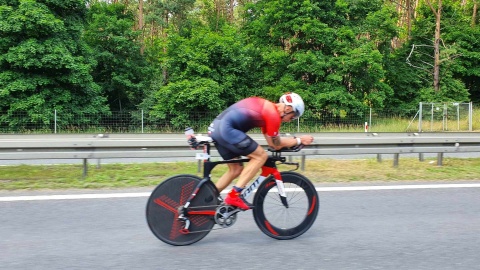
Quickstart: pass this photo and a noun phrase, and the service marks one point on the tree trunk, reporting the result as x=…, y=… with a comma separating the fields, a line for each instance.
x=140, y=23
x=436, y=65
x=409, y=18
x=436, y=44
x=474, y=14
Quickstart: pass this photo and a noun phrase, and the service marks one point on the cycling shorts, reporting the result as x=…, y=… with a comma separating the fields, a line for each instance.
x=231, y=142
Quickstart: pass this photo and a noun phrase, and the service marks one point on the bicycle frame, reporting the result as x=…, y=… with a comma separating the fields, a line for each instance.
x=269, y=168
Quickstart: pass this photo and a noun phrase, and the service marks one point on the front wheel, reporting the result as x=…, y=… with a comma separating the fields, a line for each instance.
x=163, y=210
x=286, y=222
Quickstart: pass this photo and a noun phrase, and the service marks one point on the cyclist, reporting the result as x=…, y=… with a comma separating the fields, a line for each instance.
x=229, y=132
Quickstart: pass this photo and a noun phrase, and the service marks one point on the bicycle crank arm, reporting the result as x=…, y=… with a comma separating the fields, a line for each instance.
x=183, y=231
x=228, y=214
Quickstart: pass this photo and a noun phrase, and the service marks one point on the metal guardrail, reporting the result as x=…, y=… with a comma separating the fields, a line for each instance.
x=168, y=146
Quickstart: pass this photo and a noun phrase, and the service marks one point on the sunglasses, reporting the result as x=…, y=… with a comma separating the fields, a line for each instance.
x=296, y=114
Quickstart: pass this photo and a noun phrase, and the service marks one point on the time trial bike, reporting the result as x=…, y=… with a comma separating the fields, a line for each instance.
x=184, y=208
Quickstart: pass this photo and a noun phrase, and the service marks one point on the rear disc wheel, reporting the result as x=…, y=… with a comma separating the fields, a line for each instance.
x=163, y=206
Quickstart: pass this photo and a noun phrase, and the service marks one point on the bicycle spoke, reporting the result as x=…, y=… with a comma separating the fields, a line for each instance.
x=286, y=222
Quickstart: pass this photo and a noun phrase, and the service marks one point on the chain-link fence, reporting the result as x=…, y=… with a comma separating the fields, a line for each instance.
x=429, y=117
x=452, y=116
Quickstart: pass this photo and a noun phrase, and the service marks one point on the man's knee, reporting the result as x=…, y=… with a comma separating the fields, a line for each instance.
x=259, y=154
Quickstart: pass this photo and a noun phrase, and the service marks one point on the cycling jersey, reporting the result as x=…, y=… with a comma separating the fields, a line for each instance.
x=230, y=127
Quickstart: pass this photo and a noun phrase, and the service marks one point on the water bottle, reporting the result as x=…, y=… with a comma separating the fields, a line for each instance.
x=189, y=132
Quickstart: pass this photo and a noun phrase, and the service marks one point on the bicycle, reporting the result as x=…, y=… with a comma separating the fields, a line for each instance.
x=184, y=208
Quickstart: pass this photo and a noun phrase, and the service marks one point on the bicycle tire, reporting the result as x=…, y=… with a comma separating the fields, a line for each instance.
x=162, y=210
x=279, y=222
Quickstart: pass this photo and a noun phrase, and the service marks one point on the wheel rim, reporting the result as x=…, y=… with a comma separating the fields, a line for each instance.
x=274, y=219
x=280, y=216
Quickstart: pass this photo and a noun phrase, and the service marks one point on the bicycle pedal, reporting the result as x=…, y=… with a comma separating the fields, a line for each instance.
x=184, y=231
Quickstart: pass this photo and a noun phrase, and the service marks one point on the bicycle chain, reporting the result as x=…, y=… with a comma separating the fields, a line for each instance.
x=206, y=206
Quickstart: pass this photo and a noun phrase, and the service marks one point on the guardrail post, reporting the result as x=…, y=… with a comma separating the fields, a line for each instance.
x=302, y=164
x=379, y=158
x=85, y=168
x=199, y=169
x=439, y=159
x=421, y=157
x=395, y=160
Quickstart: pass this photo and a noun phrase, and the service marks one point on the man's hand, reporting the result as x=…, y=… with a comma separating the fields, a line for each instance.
x=192, y=141
x=306, y=139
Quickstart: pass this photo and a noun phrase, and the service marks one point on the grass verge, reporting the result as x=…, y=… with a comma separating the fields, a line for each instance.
x=150, y=174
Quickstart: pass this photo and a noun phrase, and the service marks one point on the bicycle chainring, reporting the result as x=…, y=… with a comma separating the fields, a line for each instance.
x=226, y=215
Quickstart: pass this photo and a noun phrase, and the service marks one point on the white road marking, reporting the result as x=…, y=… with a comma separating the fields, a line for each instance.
x=146, y=194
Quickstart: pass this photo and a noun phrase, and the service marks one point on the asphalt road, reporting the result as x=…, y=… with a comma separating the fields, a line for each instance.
x=369, y=229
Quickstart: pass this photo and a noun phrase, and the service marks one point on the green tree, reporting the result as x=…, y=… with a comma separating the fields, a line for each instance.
x=332, y=52
x=461, y=56
x=44, y=63
x=122, y=71
x=422, y=49
x=209, y=70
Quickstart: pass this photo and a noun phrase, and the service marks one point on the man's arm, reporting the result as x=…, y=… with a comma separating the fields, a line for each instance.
x=278, y=142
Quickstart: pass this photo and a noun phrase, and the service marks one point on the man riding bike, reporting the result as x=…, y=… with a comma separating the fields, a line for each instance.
x=228, y=130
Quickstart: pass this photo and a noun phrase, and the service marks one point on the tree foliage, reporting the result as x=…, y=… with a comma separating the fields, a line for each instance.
x=122, y=71
x=209, y=70
x=173, y=57
x=44, y=63
x=325, y=51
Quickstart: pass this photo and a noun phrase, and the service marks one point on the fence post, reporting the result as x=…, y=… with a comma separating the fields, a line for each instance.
x=458, y=115
x=142, y=121
x=55, y=122
x=431, y=116
x=370, y=120
x=470, y=116
x=420, y=113
x=445, y=114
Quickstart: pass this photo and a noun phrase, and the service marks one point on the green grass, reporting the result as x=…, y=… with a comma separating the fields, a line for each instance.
x=150, y=174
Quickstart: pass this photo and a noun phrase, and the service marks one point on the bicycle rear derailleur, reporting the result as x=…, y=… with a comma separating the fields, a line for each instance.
x=226, y=215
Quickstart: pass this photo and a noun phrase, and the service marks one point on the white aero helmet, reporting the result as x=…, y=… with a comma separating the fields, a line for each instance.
x=295, y=101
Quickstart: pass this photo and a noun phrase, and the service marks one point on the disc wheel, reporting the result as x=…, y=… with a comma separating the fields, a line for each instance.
x=163, y=205
x=281, y=222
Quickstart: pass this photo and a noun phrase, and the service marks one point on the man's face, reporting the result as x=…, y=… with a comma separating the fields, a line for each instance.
x=289, y=114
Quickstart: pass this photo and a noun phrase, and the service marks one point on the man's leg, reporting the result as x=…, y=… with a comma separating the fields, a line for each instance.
x=234, y=170
x=257, y=159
